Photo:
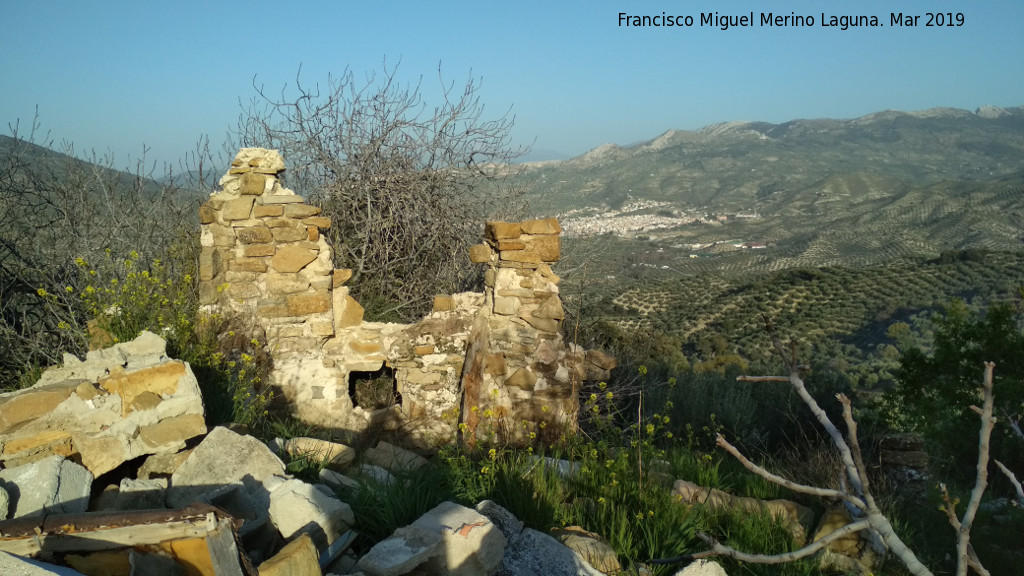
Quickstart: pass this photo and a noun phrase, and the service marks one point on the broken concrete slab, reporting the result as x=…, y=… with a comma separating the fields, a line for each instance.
x=222, y=458
x=472, y=544
x=297, y=508
x=53, y=485
x=406, y=549
x=120, y=403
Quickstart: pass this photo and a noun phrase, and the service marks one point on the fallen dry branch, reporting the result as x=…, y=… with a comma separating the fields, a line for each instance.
x=719, y=549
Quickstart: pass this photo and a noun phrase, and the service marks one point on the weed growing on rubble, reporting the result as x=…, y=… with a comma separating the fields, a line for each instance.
x=124, y=297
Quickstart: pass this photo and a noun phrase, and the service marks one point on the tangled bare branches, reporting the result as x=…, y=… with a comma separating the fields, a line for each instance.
x=407, y=187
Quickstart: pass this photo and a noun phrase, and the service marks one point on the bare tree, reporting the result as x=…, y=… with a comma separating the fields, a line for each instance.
x=855, y=491
x=56, y=207
x=407, y=186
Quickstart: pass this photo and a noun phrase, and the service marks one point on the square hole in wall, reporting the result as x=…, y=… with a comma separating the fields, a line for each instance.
x=374, y=390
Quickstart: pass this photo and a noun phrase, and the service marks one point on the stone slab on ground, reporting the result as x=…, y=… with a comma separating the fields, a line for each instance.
x=393, y=458
x=538, y=553
x=51, y=485
x=401, y=552
x=297, y=508
x=298, y=558
x=591, y=546
x=222, y=458
x=472, y=543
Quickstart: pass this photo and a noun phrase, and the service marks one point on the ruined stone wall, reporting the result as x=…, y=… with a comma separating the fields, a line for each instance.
x=498, y=353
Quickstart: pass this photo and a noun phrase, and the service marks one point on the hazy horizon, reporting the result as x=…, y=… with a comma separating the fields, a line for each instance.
x=113, y=76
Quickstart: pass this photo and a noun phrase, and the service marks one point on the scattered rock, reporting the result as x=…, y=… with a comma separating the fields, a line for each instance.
x=400, y=553
x=538, y=553
x=472, y=544
x=222, y=458
x=594, y=548
x=298, y=558
x=52, y=485
x=297, y=507
x=394, y=459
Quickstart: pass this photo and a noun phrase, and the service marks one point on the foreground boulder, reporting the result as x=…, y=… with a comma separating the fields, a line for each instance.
x=449, y=539
x=120, y=403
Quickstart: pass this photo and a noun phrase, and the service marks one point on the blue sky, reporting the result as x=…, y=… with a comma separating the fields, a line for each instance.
x=113, y=75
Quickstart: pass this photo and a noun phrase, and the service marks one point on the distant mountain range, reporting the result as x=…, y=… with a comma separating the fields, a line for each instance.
x=733, y=164
x=827, y=192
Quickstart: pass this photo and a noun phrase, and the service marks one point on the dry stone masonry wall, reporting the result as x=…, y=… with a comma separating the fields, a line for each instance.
x=494, y=362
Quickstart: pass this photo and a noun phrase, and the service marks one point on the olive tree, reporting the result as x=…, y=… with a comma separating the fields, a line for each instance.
x=407, y=185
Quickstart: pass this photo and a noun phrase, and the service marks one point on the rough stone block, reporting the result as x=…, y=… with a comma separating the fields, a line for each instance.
x=252, y=184
x=32, y=403
x=238, y=209
x=545, y=226
x=299, y=508
x=322, y=328
x=365, y=348
x=543, y=324
x=590, y=546
x=494, y=364
x=254, y=235
x=522, y=378
x=263, y=211
x=480, y=253
x=472, y=543
x=286, y=284
x=525, y=256
x=350, y=314
x=443, y=303
x=161, y=379
x=222, y=458
x=332, y=454
x=281, y=199
x=551, y=308
x=549, y=248
x=255, y=250
x=140, y=494
x=502, y=230
x=340, y=276
x=313, y=233
x=538, y=553
x=506, y=305
x=53, y=485
x=423, y=350
x=298, y=558
x=400, y=553
x=223, y=236
x=257, y=265
x=207, y=214
x=173, y=432
x=702, y=567
x=241, y=291
x=317, y=221
x=601, y=360
x=306, y=304
x=516, y=244
x=300, y=211
x=393, y=458
x=292, y=259
x=290, y=234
